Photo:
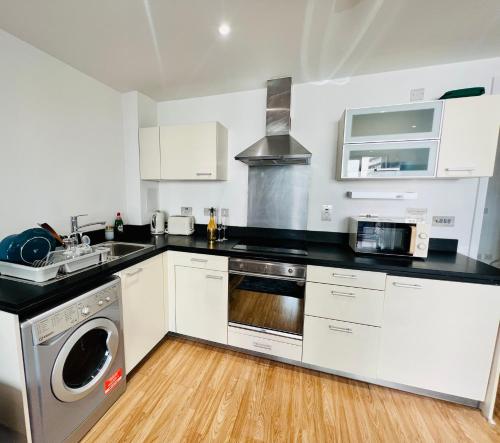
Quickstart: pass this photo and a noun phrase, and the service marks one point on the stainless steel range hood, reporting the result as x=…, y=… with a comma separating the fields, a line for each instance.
x=277, y=147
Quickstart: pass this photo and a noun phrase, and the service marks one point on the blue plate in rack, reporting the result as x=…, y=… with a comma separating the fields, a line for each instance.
x=26, y=247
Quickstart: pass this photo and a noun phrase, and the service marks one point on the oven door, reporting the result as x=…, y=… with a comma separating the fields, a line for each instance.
x=386, y=238
x=264, y=302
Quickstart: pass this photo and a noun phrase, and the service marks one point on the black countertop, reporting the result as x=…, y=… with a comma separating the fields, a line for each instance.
x=26, y=300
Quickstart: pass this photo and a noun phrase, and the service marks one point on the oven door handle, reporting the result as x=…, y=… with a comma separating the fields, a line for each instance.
x=276, y=277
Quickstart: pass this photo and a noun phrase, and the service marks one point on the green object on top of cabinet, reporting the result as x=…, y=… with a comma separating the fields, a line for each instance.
x=459, y=93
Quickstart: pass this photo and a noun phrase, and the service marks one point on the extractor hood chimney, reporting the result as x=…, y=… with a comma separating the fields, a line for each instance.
x=277, y=147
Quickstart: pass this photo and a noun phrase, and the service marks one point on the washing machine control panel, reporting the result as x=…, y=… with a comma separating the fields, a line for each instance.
x=73, y=314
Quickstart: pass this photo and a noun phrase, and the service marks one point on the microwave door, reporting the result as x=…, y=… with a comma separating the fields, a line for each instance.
x=368, y=237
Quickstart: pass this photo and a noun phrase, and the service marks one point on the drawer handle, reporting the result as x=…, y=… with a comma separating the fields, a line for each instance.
x=407, y=285
x=461, y=168
x=344, y=276
x=135, y=272
x=199, y=260
x=262, y=346
x=214, y=277
x=344, y=294
x=339, y=329
x=199, y=174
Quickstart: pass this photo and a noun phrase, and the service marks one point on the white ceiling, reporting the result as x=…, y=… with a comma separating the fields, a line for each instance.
x=171, y=49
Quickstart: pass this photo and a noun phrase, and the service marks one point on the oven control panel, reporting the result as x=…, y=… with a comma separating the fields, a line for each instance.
x=258, y=267
x=73, y=313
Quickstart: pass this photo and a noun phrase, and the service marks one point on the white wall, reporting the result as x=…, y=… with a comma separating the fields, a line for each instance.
x=139, y=111
x=61, y=142
x=316, y=109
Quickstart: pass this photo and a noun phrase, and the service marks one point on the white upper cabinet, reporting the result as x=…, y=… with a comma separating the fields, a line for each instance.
x=469, y=137
x=149, y=148
x=413, y=121
x=445, y=138
x=194, y=152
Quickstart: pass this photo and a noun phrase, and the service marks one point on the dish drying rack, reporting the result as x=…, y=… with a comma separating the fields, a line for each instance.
x=58, y=261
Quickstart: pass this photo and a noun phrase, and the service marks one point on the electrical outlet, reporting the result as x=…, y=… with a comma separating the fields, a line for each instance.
x=186, y=210
x=417, y=95
x=225, y=212
x=446, y=221
x=326, y=212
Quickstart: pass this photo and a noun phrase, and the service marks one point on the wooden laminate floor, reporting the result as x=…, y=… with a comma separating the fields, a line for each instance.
x=186, y=391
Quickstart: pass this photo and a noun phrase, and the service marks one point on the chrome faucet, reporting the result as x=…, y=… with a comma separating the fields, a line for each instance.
x=75, y=227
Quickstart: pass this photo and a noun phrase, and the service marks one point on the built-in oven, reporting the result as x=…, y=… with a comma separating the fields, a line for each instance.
x=389, y=236
x=267, y=297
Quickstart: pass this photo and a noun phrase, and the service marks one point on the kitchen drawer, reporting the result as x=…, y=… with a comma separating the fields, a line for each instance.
x=343, y=303
x=202, y=261
x=346, y=277
x=265, y=343
x=341, y=346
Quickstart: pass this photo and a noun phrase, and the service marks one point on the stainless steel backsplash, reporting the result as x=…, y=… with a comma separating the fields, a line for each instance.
x=278, y=196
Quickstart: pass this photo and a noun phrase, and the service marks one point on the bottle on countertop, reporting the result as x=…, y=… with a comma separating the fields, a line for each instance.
x=118, y=224
x=212, y=227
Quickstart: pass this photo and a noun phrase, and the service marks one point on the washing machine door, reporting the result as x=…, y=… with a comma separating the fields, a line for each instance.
x=84, y=359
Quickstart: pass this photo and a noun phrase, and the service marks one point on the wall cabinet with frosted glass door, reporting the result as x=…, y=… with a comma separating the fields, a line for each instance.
x=400, y=141
x=444, y=139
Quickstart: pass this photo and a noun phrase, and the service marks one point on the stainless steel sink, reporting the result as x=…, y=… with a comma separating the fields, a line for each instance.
x=120, y=249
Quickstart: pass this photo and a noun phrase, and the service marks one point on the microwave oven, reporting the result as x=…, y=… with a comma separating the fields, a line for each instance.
x=389, y=236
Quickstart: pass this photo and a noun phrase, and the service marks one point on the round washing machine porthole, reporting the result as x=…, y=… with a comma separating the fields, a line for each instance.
x=84, y=359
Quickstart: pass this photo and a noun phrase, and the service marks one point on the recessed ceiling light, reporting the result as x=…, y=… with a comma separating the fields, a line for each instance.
x=224, y=29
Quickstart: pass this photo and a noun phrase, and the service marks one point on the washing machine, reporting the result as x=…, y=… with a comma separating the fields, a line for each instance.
x=74, y=364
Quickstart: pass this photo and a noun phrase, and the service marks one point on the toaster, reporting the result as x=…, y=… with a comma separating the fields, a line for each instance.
x=180, y=225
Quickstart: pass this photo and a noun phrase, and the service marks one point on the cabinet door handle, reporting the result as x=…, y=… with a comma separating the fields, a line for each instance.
x=339, y=329
x=262, y=346
x=406, y=285
x=200, y=174
x=199, y=260
x=214, y=277
x=344, y=275
x=134, y=272
x=460, y=168
x=343, y=294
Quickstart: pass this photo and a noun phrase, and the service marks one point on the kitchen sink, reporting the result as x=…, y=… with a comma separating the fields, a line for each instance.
x=120, y=249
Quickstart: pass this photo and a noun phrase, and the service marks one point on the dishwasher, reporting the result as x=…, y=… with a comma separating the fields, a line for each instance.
x=266, y=307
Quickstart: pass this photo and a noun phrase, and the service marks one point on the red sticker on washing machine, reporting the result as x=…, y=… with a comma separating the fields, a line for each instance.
x=112, y=381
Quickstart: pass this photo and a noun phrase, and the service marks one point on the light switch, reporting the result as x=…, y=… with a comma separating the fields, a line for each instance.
x=417, y=95
x=326, y=212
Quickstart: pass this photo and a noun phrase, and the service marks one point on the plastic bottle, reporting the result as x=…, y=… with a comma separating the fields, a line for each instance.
x=118, y=224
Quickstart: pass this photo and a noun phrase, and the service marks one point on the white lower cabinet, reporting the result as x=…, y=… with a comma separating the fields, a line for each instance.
x=439, y=335
x=264, y=343
x=143, y=309
x=201, y=302
x=356, y=305
x=341, y=346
